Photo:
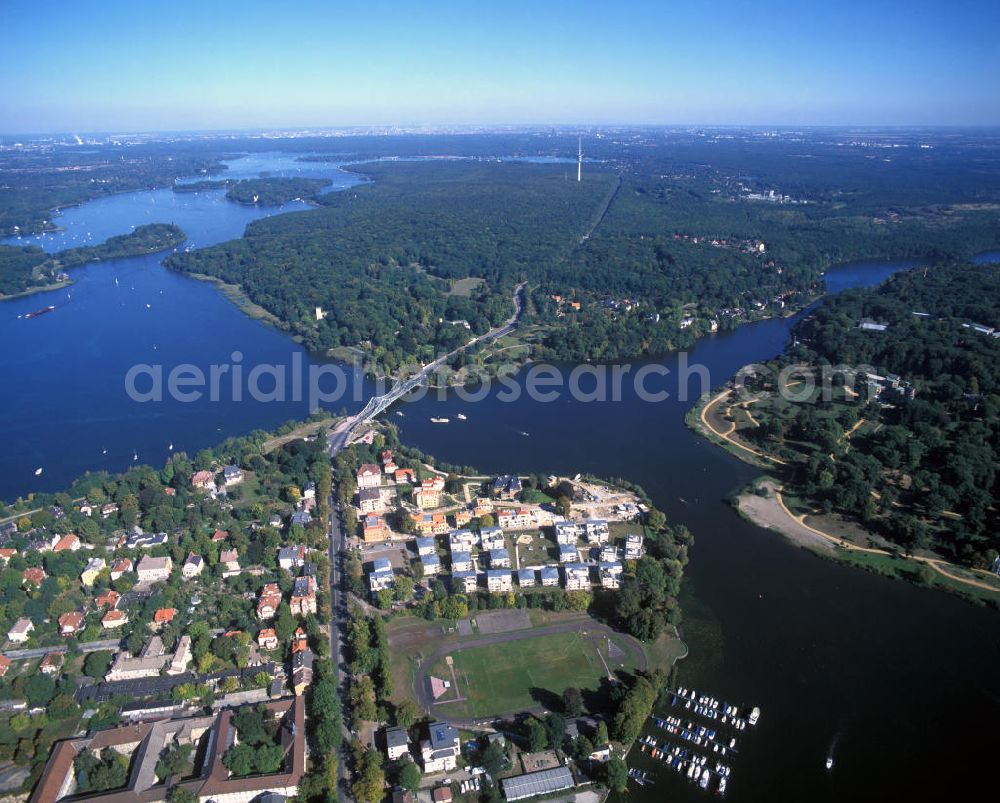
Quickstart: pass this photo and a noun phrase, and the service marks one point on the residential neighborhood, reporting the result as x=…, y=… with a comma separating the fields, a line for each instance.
x=178, y=603
x=177, y=607
x=532, y=541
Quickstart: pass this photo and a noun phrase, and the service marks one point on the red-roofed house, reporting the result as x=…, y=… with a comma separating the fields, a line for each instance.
x=220, y=535
x=427, y=495
x=114, y=619
x=267, y=639
x=164, y=616
x=203, y=479
x=33, y=575
x=270, y=599
x=4, y=665
x=107, y=599
x=402, y=475
x=7, y=553
x=430, y=523
x=70, y=623
x=68, y=543
x=50, y=664
x=120, y=567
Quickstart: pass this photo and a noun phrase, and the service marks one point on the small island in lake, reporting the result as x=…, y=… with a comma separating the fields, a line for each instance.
x=275, y=191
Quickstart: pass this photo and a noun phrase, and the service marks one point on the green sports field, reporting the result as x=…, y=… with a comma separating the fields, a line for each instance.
x=499, y=678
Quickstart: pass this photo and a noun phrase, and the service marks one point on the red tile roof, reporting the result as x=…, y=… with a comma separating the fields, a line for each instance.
x=71, y=621
x=67, y=542
x=33, y=574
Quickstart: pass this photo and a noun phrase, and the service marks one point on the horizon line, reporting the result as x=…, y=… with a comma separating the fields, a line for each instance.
x=382, y=129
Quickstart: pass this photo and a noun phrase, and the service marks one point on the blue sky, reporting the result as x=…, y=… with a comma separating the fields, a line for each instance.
x=149, y=65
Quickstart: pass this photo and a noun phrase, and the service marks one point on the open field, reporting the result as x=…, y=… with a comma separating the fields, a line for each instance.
x=533, y=671
x=500, y=669
x=303, y=431
x=464, y=287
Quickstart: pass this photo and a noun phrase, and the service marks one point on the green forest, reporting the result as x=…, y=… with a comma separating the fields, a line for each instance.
x=21, y=268
x=381, y=259
x=670, y=235
x=653, y=249
x=274, y=191
x=921, y=467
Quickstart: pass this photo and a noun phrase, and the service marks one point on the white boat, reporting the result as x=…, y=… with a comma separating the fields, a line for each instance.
x=829, y=762
x=754, y=715
x=38, y=472
x=722, y=786
x=461, y=417
x=170, y=448
x=439, y=420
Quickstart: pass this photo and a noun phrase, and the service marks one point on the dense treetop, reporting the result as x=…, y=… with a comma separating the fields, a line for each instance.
x=923, y=471
x=273, y=191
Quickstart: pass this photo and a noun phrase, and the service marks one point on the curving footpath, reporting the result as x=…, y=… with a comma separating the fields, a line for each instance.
x=935, y=563
x=727, y=435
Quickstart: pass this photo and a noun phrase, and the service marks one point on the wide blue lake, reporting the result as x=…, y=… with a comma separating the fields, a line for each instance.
x=65, y=409
x=902, y=680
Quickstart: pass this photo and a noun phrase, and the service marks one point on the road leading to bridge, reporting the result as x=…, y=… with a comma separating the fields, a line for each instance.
x=379, y=404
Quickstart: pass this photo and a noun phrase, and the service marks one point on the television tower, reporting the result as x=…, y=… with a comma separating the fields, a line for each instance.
x=579, y=158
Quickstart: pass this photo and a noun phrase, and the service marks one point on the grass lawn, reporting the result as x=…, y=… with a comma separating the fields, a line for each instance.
x=532, y=496
x=662, y=653
x=914, y=572
x=507, y=677
x=303, y=431
x=620, y=530
x=464, y=287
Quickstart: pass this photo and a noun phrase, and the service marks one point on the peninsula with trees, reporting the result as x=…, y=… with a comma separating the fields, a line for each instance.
x=30, y=269
x=879, y=428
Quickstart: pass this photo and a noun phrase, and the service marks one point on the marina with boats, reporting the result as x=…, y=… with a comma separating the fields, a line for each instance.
x=702, y=741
